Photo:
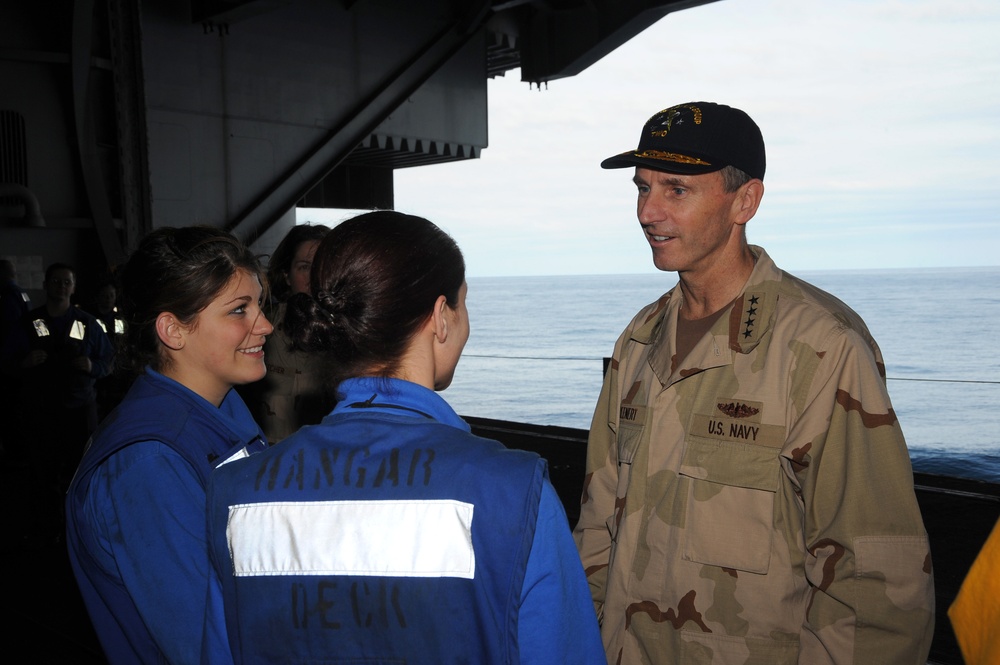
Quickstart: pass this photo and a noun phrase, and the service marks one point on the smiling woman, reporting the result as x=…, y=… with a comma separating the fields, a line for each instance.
x=223, y=346
x=135, y=511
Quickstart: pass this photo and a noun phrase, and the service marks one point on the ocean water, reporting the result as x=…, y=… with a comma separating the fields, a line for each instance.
x=536, y=351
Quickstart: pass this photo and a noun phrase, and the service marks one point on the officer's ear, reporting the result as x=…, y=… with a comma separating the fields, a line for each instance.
x=747, y=201
x=170, y=331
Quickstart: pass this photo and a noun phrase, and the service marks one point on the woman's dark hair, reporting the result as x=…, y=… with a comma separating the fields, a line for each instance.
x=280, y=263
x=375, y=279
x=176, y=270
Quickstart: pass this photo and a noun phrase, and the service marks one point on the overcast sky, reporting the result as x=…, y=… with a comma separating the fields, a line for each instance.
x=881, y=120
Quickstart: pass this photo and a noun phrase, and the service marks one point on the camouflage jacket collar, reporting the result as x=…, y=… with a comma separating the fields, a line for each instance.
x=750, y=317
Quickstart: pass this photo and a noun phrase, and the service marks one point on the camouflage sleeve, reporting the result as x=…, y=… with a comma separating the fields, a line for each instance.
x=866, y=552
x=592, y=536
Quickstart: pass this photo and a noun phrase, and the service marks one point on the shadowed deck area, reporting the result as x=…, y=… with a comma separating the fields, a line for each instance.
x=47, y=622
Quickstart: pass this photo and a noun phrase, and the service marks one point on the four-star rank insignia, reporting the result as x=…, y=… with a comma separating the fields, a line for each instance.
x=751, y=315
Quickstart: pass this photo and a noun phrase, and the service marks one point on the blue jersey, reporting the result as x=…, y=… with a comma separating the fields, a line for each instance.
x=390, y=532
x=135, y=515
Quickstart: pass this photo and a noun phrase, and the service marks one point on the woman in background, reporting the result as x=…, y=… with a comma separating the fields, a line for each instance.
x=292, y=393
x=135, y=510
x=390, y=533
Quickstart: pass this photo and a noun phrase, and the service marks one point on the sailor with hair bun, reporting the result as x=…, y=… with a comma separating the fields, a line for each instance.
x=388, y=532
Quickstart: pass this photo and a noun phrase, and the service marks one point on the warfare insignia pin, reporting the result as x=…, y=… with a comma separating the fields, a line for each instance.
x=738, y=409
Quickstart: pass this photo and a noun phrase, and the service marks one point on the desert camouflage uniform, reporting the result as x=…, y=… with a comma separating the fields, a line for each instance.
x=292, y=394
x=755, y=505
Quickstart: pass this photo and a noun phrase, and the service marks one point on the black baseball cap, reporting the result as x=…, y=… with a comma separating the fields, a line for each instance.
x=697, y=137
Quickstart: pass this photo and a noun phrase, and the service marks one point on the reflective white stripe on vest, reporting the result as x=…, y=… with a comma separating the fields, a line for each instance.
x=375, y=538
x=41, y=329
x=239, y=454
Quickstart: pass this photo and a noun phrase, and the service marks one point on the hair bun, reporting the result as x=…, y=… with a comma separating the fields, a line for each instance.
x=331, y=305
x=312, y=322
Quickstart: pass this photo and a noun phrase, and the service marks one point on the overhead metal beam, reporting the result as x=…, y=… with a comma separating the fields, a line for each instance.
x=133, y=150
x=562, y=40
x=357, y=124
x=90, y=165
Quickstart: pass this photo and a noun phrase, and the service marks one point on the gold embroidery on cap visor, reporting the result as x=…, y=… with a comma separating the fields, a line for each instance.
x=671, y=157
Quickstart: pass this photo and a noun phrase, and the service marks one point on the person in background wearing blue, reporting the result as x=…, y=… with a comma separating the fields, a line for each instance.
x=60, y=351
x=135, y=511
x=56, y=353
x=388, y=532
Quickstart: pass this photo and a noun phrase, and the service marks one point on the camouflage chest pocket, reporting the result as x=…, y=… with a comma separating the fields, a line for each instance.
x=730, y=504
x=631, y=426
